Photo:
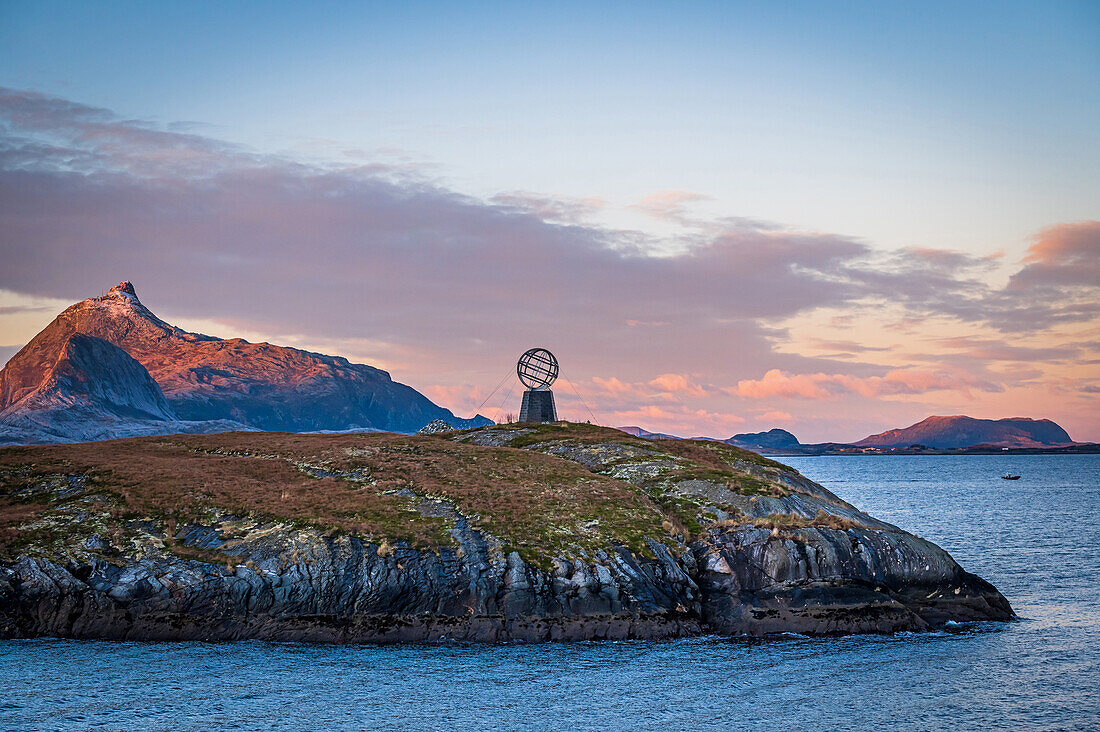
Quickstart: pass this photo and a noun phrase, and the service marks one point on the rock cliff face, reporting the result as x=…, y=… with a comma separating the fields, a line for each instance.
x=89, y=389
x=203, y=378
x=90, y=370
x=556, y=532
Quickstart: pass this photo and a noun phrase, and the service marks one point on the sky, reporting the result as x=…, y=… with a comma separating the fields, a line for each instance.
x=834, y=218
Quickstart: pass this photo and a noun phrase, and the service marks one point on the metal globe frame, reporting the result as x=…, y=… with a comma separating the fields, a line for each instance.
x=537, y=368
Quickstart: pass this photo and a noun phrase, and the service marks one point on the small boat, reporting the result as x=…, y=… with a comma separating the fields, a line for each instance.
x=1010, y=476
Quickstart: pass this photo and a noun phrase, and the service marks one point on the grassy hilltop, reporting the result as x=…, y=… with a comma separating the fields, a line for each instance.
x=549, y=490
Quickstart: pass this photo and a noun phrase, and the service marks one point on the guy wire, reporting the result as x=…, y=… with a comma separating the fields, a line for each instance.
x=575, y=391
x=494, y=391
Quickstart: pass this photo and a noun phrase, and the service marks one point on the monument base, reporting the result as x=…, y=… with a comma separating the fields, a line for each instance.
x=538, y=406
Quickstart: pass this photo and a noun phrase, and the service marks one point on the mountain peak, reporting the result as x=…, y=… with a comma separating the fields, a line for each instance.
x=124, y=289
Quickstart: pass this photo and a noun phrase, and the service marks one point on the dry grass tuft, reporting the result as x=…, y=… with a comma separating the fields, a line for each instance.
x=784, y=521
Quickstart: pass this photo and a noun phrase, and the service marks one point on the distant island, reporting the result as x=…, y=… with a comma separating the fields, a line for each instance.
x=954, y=435
x=961, y=431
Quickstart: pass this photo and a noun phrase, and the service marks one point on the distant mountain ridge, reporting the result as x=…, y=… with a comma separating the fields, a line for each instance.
x=943, y=433
x=646, y=434
x=115, y=351
x=961, y=431
x=774, y=439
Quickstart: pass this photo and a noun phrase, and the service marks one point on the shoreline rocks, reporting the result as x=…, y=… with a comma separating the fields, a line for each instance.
x=744, y=582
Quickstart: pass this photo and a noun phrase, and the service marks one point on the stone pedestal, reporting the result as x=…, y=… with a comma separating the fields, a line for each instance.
x=538, y=406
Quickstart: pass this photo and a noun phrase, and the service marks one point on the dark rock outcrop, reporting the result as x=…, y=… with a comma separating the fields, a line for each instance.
x=828, y=581
x=343, y=589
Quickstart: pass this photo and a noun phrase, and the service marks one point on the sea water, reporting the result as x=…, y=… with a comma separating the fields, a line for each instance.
x=1037, y=539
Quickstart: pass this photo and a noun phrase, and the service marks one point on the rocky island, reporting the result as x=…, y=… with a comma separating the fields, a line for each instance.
x=501, y=533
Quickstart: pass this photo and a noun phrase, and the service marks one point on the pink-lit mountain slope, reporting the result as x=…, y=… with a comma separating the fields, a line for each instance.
x=203, y=378
x=89, y=389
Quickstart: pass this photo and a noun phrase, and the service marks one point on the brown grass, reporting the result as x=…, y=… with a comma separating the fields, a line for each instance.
x=791, y=521
x=715, y=462
x=538, y=504
x=716, y=455
x=829, y=521
x=167, y=477
x=705, y=453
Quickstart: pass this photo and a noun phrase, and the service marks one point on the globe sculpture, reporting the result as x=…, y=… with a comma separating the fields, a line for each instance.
x=537, y=369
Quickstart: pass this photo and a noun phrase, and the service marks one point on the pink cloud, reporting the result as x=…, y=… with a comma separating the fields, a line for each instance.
x=1059, y=281
x=677, y=384
x=614, y=386
x=986, y=349
x=668, y=205
x=678, y=420
x=566, y=209
x=662, y=386
x=1065, y=254
x=784, y=417
x=777, y=384
x=465, y=397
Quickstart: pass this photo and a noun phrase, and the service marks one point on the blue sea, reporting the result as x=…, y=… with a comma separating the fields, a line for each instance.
x=1037, y=539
